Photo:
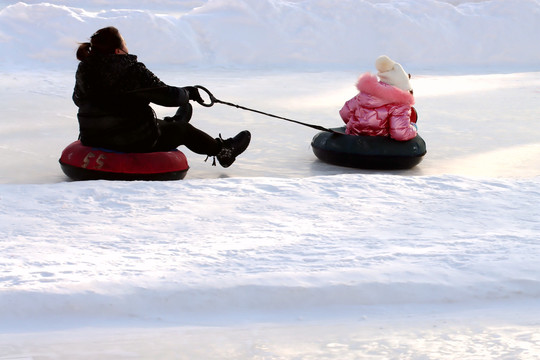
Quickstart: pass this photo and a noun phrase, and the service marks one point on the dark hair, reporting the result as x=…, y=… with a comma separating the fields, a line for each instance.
x=104, y=41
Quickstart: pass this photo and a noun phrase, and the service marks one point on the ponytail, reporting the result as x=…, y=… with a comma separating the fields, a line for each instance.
x=84, y=51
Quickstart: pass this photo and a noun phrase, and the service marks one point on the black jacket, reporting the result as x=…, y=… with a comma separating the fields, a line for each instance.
x=113, y=93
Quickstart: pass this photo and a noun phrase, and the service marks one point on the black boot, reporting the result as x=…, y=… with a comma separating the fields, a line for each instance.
x=232, y=147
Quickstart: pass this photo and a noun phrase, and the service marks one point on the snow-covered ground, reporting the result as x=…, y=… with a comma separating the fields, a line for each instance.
x=280, y=256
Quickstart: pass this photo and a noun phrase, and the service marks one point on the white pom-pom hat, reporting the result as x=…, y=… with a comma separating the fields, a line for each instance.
x=392, y=73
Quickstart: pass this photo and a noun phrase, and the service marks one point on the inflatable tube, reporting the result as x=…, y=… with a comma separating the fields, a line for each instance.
x=81, y=162
x=368, y=152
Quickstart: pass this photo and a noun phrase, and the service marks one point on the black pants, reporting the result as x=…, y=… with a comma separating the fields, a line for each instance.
x=176, y=133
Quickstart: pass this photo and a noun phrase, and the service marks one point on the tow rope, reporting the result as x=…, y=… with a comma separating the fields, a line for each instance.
x=214, y=100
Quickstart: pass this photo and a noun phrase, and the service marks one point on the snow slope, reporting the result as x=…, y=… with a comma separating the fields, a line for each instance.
x=421, y=34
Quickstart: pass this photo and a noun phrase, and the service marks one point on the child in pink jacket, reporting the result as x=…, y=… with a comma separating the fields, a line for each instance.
x=383, y=106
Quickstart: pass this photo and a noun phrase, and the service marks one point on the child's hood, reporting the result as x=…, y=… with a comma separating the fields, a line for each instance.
x=368, y=84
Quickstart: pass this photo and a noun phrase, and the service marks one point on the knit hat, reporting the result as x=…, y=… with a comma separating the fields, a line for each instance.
x=392, y=73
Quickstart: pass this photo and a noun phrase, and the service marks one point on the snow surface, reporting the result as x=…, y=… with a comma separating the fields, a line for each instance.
x=280, y=256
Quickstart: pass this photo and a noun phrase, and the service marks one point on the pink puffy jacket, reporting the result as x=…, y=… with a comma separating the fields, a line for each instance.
x=379, y=109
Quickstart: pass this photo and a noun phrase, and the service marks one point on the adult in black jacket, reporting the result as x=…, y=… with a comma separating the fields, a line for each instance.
x=113, y=92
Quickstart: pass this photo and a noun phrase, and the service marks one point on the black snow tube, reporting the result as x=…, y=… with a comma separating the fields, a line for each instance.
x=368, y=152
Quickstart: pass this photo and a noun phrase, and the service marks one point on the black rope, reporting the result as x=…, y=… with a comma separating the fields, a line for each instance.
x=214, y=100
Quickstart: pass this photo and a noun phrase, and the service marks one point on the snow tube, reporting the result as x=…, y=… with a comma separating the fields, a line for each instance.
x=368, y=152
x=81, y=162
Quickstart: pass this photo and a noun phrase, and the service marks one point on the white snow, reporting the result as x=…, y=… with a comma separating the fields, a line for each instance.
x=280, y=256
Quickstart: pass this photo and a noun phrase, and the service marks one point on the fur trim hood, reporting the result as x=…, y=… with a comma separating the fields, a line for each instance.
x=368, y=84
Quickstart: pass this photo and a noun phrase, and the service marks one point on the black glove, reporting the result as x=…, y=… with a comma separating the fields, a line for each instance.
x=193, y=94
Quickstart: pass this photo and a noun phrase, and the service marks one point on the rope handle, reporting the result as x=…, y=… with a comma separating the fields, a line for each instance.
x=213, y=99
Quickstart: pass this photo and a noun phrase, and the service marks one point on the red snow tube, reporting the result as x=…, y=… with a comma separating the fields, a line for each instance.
x=81, y=162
